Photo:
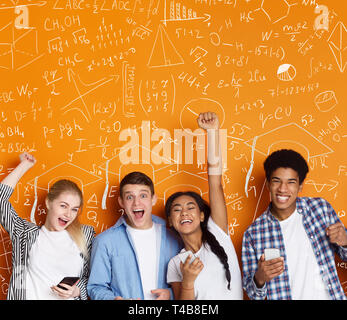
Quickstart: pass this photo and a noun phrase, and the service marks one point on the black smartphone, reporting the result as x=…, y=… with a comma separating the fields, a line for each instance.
x=69, y=281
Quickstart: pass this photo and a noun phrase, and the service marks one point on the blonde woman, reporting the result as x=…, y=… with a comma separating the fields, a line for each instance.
x=43, y=256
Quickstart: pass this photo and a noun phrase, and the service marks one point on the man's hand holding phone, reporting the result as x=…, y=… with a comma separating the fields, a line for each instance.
x=67, y=288
x=270, y=265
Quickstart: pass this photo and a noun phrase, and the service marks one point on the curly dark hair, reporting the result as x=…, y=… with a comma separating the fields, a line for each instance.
x=286, y=158
x=207, y=236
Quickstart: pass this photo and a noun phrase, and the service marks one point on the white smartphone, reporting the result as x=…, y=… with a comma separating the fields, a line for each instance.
x=184, y=255
x=271, y=253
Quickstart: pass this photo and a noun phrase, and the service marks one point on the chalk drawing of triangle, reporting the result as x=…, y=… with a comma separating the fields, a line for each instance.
x=163, y=53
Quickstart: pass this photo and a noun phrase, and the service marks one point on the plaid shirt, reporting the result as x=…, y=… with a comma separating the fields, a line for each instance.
x=265, y=232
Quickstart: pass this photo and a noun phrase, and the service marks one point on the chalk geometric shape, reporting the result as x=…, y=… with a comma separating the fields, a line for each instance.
x=163, y=53
x=325, y=101
x=286, y=72
x=338, y=44
x=275, y=12
x=19, y=47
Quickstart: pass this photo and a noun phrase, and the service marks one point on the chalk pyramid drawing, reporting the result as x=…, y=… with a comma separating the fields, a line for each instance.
x=163, y=53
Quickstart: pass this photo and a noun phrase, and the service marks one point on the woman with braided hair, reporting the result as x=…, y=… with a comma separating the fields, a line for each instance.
x=207, y=267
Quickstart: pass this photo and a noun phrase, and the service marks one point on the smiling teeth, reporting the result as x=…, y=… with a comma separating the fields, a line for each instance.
x=184, y=221
x=282, y=198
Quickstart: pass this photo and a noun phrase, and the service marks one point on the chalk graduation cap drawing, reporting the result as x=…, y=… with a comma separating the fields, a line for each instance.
x=117, y=167
x=183, y=180
x=289, y=136
x=64, y=170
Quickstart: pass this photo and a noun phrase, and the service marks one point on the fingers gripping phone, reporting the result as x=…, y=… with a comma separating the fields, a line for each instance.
x=69, y=281
x=184, y=255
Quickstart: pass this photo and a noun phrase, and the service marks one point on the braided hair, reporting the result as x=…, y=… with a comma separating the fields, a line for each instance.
x=207, y=236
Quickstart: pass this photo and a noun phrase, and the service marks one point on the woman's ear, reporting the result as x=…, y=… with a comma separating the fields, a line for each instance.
x=202, y=216
x=47, y=203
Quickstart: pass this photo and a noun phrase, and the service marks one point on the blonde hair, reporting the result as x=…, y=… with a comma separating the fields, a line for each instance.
x=75, y=227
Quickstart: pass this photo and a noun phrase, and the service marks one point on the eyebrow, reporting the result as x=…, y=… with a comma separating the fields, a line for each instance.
x=189, y=203
x=69, y=204
x=143, y=190
x=291, y=179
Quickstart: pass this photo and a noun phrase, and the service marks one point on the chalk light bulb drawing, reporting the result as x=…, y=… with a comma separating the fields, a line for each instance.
x=286, y=72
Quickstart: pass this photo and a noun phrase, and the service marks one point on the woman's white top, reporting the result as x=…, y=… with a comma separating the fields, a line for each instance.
x=211, y=283
x=52, y=257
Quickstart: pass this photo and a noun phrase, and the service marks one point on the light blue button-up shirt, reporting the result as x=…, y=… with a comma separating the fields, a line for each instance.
x=114, y=266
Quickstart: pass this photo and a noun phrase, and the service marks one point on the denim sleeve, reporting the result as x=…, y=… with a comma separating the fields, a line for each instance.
x=99, y=283
x=249, y=266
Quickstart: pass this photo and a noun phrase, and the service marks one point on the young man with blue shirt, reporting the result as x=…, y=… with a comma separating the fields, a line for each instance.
x=129, y=260
x=307, y=232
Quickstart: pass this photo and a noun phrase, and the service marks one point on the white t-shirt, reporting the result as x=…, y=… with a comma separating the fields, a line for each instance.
x=53, y=256
x=145, y=243
x=211, y=283
x=304, y=277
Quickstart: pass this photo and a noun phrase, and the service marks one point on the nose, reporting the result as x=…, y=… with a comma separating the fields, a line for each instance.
x=183, y=212
x=282, y=187
x=137, y=201
x=68, y=213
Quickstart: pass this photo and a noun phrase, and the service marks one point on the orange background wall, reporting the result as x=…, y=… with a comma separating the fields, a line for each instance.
x=83, y=80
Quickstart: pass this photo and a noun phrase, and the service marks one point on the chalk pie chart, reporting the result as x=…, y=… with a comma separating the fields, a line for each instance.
x=192, y=109
x=286, y=72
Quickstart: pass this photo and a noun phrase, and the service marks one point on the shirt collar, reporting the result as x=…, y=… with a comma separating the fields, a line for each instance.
x=300, y=207
x=155, y=219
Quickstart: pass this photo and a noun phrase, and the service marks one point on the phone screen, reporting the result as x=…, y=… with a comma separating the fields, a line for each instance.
x=69, y=281
x=271, y=253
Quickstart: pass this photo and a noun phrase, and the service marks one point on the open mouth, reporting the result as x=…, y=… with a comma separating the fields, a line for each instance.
x=138, y=213
x=63, y=222
x=186, y=221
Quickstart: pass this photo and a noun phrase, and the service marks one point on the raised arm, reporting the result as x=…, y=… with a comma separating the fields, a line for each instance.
x=209, y=121
x=9, y=219
x=26, y=162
